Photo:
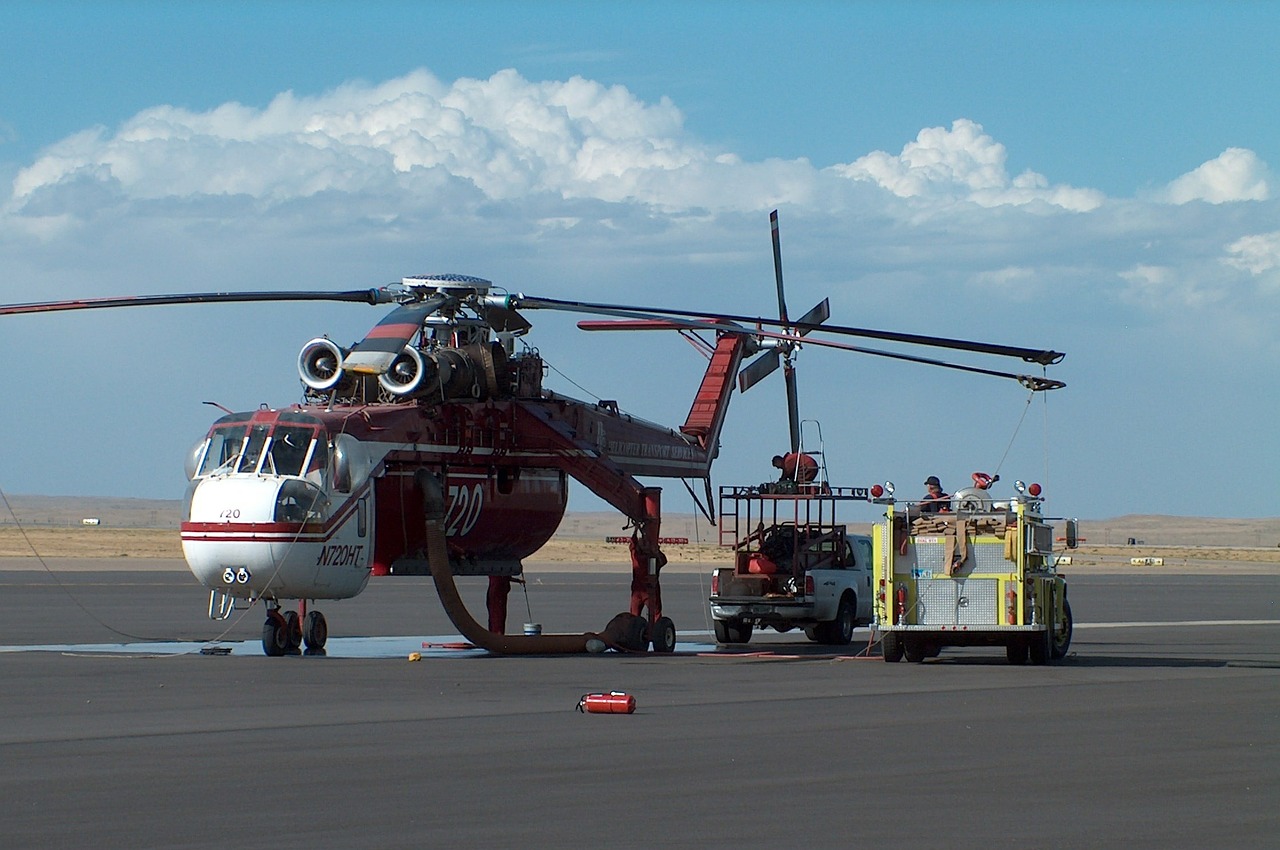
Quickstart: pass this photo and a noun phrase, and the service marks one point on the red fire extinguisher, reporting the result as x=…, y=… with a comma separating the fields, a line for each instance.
x=614, y=702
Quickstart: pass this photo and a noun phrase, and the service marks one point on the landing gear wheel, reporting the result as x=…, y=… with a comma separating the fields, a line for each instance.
x=913, y=649
x=664, y=635
x=891, y=646
x=1062, y=634
x=292, y=630
x=1016, y=651
x=732, y=631
x=275, y=635
x=315, y=631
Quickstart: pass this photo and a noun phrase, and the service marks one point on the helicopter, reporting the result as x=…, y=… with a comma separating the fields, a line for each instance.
x=432, y=447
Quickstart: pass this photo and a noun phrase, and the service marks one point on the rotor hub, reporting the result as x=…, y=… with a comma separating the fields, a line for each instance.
x=453, y=284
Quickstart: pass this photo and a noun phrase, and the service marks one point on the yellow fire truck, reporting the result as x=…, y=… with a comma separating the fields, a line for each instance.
x=971, y=571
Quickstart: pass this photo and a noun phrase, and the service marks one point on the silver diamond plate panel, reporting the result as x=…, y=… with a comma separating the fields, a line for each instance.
x=930, y=555
x=989, y=558
x=956, y=602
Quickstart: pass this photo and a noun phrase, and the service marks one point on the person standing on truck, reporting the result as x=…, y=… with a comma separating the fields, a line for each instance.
x=935, y=501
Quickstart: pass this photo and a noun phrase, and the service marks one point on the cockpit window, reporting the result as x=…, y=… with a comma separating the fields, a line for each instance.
x=253, y=449
x=299, y=501
x=289, y=445
x=224, y=449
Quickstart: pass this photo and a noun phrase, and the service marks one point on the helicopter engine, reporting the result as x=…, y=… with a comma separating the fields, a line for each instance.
x=469, y=372
x=320, y=364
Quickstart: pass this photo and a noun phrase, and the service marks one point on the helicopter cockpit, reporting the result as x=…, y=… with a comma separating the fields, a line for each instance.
x=291, y=448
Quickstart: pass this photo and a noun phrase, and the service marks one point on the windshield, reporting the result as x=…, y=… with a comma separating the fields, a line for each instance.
x=280, y=449
x=289, y=445
x=225, y=443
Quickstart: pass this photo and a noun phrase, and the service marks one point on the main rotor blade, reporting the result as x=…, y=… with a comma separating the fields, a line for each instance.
x=645, y=322
x=367, y=296
x=757, y=370
x=1043, y=357
x=374, y=354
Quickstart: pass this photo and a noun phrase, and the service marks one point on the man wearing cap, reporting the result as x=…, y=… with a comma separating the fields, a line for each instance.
x=935, y=501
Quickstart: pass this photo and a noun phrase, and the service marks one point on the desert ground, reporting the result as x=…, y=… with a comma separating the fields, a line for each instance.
x=53, y=527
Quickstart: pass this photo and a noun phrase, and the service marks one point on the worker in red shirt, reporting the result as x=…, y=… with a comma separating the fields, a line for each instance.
x=798, y=469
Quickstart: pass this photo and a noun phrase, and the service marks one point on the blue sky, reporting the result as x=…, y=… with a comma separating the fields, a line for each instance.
x=1100, y=178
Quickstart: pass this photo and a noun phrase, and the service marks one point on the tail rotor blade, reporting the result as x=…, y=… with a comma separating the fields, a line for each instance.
x=816, y=316
x=793, y=405
x=757, y=370
x=777, y=266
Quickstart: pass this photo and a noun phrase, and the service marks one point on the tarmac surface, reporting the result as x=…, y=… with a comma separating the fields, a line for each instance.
x=1160, y=729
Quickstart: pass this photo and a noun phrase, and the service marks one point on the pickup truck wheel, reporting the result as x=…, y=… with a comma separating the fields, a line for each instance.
x=730, y=631
x=891, y=646
x=839, y=632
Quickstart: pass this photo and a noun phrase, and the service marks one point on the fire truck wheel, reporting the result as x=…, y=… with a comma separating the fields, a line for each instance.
x=292, y=630
x=275, y=635
x=1016, y=651
x=1040, y=645
x=732, y=631
x=913, y=649
x=315, y=631
x=891, y=646
x=1062, y=634
x=664, y=635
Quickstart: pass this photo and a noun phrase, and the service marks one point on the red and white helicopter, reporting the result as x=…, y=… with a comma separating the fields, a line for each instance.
x=431, y=446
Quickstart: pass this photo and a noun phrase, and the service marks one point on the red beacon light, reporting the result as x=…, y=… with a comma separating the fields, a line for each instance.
x=1033, y=490
x=876, y=491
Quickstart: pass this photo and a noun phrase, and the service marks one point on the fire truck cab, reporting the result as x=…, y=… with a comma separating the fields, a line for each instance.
x=981, y=572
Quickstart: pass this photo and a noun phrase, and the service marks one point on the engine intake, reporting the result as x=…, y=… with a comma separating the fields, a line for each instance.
x=320, y=364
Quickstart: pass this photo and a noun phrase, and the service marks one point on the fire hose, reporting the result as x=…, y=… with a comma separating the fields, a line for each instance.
x=622, y=632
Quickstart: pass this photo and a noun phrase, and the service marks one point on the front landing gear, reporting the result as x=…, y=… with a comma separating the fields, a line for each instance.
x=284, y=633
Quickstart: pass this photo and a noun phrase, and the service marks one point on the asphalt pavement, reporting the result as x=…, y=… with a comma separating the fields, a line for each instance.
x=1160, y=729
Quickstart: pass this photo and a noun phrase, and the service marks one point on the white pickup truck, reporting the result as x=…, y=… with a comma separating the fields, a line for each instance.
x=802, y=570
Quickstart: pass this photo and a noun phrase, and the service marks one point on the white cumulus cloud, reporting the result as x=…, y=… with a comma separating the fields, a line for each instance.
x=1236, y=175
x=962, y=163
x=504, y=136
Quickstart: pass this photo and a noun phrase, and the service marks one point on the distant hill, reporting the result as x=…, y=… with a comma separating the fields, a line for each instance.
x=112, y=512
x=1152, y=530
